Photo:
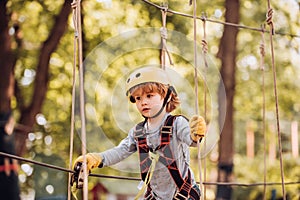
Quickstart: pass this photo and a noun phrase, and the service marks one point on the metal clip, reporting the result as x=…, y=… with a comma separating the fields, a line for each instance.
x=77, y=176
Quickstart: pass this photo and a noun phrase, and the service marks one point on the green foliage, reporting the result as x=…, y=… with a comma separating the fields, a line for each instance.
x=253, y=172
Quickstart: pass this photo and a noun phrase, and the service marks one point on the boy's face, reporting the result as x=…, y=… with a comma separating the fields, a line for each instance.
x=148, y=104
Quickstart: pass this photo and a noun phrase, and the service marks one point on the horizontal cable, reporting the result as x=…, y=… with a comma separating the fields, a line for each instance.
x=135, y=178
x=35, y=162
x=217, y=21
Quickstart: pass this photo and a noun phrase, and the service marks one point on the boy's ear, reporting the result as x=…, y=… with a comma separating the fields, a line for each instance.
x=131, y=98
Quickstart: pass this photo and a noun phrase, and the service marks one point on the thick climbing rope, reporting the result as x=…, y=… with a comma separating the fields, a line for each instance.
x=204, y=51
x=272, y=32
x=262, y=68
x=194, y=3
x=78, y=36
x=74, y=17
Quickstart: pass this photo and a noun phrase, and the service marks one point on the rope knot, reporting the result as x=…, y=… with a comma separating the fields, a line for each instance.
x=74, y=5
x=203, y=17
x=204, y=46
x=262, y=49
x=164, y=33
x=270, y=20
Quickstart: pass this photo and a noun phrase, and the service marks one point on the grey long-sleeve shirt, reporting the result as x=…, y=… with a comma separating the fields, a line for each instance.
x=161, y=183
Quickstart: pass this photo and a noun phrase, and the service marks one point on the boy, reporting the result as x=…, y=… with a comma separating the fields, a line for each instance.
x=162, y=140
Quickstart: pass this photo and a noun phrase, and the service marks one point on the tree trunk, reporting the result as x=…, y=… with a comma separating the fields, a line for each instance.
x=27, y=119
x=9, y=189
x=227, y=53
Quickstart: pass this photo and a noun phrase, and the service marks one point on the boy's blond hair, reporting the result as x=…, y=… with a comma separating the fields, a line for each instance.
x=160, y=89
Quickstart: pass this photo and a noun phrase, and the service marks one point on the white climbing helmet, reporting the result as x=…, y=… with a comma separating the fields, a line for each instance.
x=145, y=75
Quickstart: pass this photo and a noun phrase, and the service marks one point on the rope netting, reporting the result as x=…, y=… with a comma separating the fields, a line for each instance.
x=164, y=54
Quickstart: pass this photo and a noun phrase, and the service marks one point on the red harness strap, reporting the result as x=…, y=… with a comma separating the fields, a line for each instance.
x=184, y=187
x=13, y=167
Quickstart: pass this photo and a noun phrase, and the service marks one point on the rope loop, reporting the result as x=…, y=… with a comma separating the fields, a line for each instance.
x=164, y=36
x=270, y=20
x=164, y=7
x=164, y=32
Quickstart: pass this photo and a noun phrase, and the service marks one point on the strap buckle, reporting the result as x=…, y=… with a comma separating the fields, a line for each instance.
x=184, y=192
x=166, y=129
x=179, y=196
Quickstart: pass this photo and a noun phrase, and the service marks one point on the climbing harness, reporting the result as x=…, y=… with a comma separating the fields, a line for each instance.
x=149, y=158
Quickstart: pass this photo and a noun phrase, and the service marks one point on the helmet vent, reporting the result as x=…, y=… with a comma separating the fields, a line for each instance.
x=138, y=75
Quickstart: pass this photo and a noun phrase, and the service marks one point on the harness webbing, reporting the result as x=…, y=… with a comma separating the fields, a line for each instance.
x=184, y=187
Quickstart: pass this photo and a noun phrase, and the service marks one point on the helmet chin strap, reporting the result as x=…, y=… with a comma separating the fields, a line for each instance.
x=163, y=106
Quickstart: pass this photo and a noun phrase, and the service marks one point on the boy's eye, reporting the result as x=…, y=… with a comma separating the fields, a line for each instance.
x=137, y=98
x=149, y=95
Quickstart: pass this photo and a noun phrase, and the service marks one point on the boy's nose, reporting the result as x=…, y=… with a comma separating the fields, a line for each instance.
x=144, y=101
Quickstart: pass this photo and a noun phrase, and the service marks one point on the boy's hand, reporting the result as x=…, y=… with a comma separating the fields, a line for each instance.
x=198, y=127
x=93, y=160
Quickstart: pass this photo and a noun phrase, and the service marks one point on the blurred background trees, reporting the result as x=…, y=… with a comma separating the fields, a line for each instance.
x=36, y=58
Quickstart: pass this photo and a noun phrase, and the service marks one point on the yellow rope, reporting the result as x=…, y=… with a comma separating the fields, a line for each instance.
x=154, y=157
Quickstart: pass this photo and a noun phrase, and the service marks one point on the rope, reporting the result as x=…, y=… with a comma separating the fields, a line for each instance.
x=76, y=5
x=154, y=158
x=219, y=22
x=194, y=3
x=262, y=67
x=164, y=37
x=204, y=51
x=73, y=94
x=272, y=32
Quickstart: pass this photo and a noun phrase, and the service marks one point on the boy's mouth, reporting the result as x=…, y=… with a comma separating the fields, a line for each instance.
x=145, y=109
